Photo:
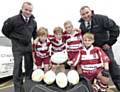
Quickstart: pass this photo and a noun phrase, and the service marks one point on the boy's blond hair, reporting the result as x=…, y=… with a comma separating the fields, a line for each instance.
x=42, y=31
x=89, y=36
x=57, y=30
x=67, y=22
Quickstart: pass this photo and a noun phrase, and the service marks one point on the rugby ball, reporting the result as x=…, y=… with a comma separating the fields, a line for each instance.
x=37, y=75
x=73, y=77
x=59, y=57
x=49, y=77
x=61, y=80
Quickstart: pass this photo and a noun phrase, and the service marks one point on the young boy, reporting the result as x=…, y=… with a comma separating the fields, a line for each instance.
x=57, y=45
x=73, y=39
x=93, y=63
x=41, y=49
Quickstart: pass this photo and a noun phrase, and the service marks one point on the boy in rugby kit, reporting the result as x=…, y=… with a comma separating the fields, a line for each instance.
x=73, y=39
x=93, y=63
x=40, y=49
x=57, y=45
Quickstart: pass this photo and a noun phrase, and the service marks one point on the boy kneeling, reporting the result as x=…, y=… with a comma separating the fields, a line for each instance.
x=93, y=63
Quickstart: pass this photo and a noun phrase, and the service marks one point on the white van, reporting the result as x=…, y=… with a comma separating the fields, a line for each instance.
x=6, y=58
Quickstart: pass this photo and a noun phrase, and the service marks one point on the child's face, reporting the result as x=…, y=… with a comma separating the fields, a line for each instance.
x=68, y=28
x=43, y=38
x=58, y=35
x=87, y=42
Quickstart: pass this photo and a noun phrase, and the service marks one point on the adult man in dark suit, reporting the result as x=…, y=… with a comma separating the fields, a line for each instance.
x=20, y=32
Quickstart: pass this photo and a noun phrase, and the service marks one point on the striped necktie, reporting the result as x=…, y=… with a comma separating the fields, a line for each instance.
x=26, y=20
x=88, y=26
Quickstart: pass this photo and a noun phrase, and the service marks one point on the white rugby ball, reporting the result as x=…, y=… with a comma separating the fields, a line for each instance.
x=37, y=75
x=61, y=80
x=73, y=77
x=59, y=57
x=49, y=77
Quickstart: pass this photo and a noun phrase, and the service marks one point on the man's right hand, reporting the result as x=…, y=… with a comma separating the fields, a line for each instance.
x=106, y=47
